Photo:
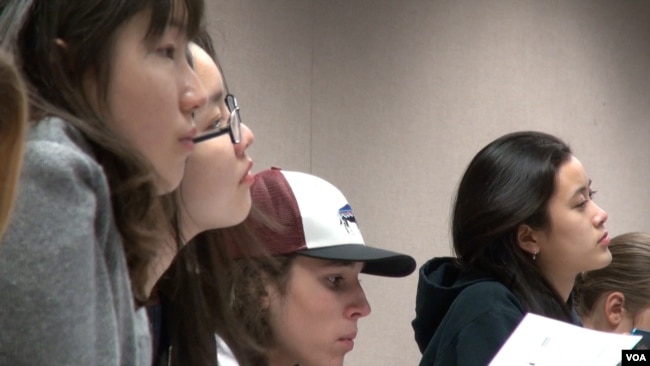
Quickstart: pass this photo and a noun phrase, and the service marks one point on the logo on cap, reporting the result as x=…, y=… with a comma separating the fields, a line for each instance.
x=346, y=218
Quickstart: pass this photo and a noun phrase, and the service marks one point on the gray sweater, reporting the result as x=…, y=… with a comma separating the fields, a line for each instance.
x=65, y=295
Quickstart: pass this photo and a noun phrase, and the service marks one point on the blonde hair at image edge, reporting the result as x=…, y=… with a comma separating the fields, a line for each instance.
x=13, y=126
x=628, y=273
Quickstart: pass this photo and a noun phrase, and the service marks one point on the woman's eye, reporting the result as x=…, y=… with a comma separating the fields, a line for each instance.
x=168, y=51
x=584, y=202
x=335, y=280
x=216, y=124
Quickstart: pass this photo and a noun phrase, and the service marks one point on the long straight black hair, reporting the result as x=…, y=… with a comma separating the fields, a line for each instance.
x=507, y=184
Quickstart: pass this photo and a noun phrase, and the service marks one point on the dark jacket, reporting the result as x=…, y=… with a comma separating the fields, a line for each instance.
x=461, y=318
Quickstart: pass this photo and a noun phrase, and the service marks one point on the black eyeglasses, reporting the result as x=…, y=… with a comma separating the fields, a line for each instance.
x=234, y=124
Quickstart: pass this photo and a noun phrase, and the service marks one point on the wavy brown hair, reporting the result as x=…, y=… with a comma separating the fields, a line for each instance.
x=55, y=82
x=197, y=294
x=629, y=273
x=250, y=277
x=13, y=125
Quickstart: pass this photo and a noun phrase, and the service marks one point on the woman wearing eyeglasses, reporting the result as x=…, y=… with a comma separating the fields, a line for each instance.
x=218, y=173
x=214, y=193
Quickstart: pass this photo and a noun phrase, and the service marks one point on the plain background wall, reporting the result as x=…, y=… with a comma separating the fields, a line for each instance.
x=390, y=100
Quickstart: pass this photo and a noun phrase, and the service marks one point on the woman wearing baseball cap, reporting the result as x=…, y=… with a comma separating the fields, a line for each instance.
x=301, y=303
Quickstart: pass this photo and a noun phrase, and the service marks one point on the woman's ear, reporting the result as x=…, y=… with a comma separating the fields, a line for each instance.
x=265, y=301
x=269, y=290
x=614, y=309
x=60, y=52
x=527, y=239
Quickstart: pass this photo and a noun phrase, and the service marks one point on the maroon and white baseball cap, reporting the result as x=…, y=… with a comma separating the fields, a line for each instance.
x=316, y=220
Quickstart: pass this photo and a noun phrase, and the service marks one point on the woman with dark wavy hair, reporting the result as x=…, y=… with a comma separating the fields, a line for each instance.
x=111, y=96
x=524, y=225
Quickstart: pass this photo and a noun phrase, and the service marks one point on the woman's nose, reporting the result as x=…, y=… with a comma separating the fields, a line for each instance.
x=193, y=95
x=359, y=306
x=601, y=216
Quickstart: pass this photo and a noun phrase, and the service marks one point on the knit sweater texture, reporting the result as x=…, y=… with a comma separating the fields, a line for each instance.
x=65, y=295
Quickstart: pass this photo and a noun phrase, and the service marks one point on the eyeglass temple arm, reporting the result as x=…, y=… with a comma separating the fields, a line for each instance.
x=210, y=135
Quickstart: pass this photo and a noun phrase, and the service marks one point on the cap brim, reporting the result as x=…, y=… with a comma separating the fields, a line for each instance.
x=379, y=262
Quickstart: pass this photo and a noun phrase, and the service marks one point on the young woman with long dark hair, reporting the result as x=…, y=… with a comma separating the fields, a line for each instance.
x=111, y=96
x=524, y=225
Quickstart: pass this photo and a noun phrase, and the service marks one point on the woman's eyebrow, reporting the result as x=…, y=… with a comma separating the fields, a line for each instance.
x=178, y=25
x=217, y=97
x=582, y=190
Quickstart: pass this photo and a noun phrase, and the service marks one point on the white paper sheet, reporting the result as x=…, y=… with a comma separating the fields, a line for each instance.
x=540, y=341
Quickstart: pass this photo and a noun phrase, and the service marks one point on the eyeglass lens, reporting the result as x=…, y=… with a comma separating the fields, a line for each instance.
x=235, y=118
x=233, y=127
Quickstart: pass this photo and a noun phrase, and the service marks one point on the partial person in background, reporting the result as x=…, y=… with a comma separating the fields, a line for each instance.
x=13, y=126
x=111, y=100
x=617, y=298
x=302, y=304
x=524, y=225
x=214, y=193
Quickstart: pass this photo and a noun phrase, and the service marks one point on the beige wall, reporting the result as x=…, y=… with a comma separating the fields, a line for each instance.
x=389, y=100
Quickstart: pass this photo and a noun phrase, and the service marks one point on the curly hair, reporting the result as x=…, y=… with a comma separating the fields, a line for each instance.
x=206, y=293
x=251, y=278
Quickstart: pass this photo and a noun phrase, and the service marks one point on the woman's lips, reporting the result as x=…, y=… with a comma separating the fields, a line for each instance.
x=605, y=239
x=248, y=177
x=348, y=341
x=188, y=139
